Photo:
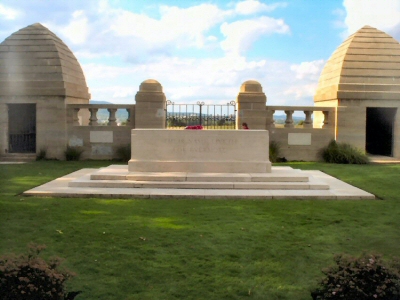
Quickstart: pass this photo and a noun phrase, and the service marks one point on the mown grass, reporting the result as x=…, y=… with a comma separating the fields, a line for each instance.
x=199, y=249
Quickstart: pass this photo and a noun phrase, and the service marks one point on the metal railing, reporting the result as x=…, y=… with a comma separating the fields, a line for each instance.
x=200, y=115
x=22, y=143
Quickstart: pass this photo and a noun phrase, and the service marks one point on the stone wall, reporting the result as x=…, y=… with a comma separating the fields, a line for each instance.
x=302, y=142
x=96, y=140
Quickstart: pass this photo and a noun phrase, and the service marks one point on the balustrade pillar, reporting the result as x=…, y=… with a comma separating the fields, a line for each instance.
x=93, y=116
x=326, y=118
x=128, y=120
x=75, y=118
x=289, y=118
x=112, y=119
x=308, y=121
x=270, y=119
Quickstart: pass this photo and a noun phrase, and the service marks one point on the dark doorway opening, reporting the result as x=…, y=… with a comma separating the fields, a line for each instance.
x=379, y=130
x=22, y=128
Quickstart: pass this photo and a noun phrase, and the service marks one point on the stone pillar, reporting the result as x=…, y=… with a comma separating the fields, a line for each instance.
x=112, y=119
x=326, y=119
x=251, y=106
x=93, y=116
x=270, y=119
x=289, y=119
x=150, y=105
x=308, y=121
x=75, y=117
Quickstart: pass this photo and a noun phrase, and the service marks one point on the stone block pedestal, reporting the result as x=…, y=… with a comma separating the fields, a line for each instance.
x=200, y=151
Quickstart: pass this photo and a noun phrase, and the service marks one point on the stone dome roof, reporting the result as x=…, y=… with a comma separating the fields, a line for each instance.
x=35, y=62
x=366, y=66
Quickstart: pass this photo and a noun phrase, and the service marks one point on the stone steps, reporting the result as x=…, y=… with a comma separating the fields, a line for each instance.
x=281, y=178
x=202, y=177
x=311, y=185
x=18, y=157
x=78, y=184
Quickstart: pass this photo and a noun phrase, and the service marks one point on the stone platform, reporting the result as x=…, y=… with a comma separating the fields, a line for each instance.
x=116, y=181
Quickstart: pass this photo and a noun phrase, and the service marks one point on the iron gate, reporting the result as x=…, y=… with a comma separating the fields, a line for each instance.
x=22, y=128
x=201, y=115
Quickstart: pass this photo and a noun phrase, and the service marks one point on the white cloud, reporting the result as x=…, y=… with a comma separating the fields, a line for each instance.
x=308, y=69
x=96, y=72
x=76, y=31
x=305, y=81
x=240, y=35
x=186, y=27
x=249, y=7
x=302, y=91
x=8, y=13
x=384, y=15
x=205, y=79
x=212, y=80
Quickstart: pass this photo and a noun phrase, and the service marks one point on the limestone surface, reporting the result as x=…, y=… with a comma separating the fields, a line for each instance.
x=35, y=62
x=365, y=66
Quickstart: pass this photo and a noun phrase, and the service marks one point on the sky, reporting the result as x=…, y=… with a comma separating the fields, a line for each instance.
x=202, y=50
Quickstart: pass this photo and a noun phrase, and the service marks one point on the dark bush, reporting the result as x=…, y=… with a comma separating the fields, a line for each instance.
x=342, y=153
x=124, y=153
x=29, y=277
x=363, y=278
x=73, y=153
x=41, y=155
x=274, y=152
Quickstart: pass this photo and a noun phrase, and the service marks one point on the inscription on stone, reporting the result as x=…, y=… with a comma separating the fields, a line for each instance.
x=196, y=145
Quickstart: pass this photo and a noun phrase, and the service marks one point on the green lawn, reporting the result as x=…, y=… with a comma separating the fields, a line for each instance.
x=199, y=249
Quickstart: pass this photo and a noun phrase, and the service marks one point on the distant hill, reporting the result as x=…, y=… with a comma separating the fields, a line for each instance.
x=99, y=102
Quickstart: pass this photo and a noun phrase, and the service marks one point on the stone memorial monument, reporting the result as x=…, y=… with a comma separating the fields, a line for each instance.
x=199, y=151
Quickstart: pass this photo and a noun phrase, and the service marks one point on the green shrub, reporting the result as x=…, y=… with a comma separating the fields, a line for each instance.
x=29, y=277
x=73, y=153
x=342, y=153
x=274, y=152
x=41, y=155
x=363, y=278
x=124, y=153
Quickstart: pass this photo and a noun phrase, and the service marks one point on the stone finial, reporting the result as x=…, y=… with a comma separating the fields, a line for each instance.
x=150, y=85
x=150, y=105
x=251, y=103
x=251, y=86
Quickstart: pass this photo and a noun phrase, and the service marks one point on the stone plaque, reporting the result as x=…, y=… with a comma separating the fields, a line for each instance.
x=299, y=139
x=101, y=136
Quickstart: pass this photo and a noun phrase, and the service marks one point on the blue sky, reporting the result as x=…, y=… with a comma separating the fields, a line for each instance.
x=202, y=50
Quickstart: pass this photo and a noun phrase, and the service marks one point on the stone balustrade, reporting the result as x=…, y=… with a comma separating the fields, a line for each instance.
x=325, y=116
x=87, y=114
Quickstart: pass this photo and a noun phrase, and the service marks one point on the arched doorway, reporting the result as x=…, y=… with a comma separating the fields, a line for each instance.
x=379, y=130
x=22, y=128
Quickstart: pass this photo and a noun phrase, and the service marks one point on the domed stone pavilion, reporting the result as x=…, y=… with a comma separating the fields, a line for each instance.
x=362, y=80
x=39, y=76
